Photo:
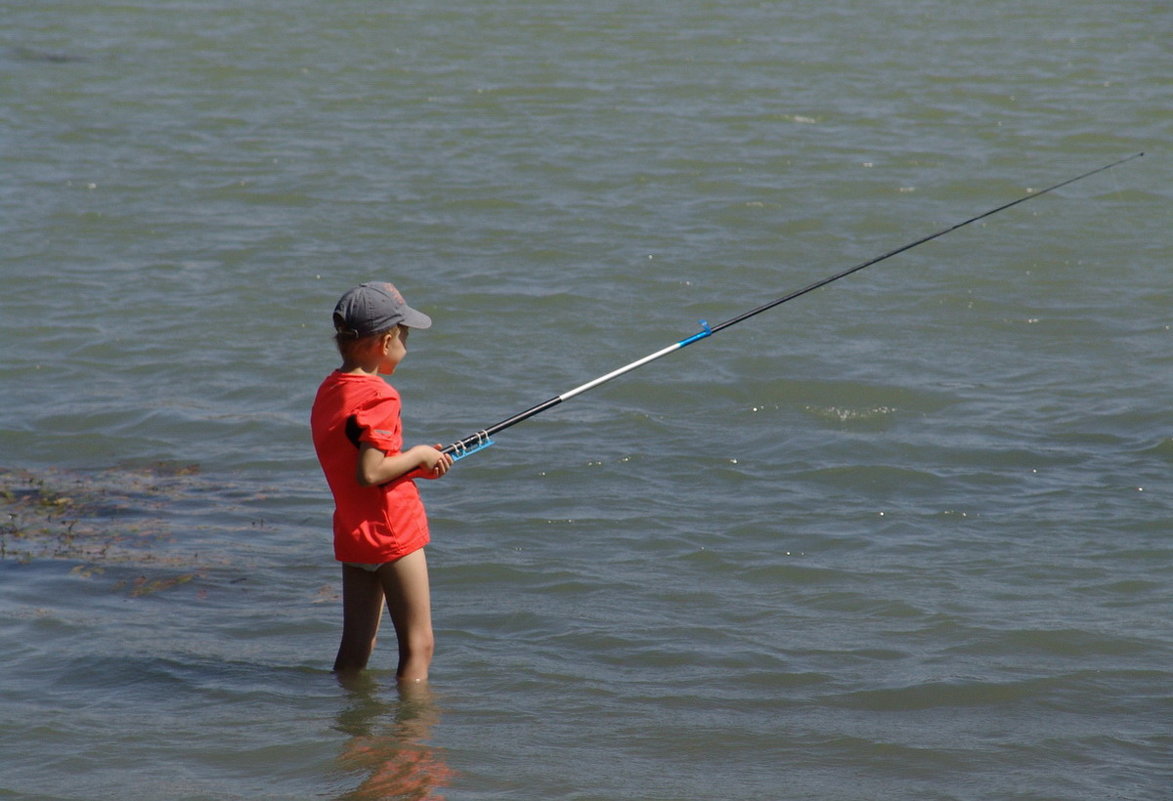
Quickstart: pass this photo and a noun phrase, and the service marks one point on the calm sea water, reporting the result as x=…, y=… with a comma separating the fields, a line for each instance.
x=907, y=537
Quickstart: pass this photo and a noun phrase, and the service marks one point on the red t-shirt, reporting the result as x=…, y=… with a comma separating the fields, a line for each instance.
x=371, y=524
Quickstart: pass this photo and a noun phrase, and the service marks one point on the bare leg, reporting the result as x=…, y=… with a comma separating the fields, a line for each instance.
x=405, y=584
x=362, y=608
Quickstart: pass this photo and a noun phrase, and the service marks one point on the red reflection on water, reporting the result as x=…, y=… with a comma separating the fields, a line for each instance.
x=389, y=744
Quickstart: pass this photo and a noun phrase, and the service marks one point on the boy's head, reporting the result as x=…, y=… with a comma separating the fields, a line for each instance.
x=374, y=307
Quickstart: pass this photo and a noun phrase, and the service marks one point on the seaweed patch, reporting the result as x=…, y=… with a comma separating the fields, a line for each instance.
x=98, y=519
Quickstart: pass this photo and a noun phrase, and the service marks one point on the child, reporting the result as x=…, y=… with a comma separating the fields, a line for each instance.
x=380, y=528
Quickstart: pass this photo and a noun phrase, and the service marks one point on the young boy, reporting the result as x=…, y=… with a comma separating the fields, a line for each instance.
x=380, y=528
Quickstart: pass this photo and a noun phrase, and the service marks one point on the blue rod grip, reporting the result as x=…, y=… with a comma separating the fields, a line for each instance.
x=469, y=446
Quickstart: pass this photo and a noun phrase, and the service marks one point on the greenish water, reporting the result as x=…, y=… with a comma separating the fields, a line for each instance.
x=904, y=538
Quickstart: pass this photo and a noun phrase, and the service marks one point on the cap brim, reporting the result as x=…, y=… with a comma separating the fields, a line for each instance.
x=416, y=319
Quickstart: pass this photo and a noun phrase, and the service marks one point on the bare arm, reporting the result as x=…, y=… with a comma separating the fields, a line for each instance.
x=376, y=467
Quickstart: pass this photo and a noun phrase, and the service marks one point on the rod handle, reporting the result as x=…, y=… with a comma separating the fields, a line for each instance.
x=468, y=446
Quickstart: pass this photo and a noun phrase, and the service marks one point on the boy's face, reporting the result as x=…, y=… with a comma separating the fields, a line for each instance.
x=394, y=348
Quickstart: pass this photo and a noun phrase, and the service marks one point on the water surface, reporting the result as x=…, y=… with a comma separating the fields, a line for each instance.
x=905, y=537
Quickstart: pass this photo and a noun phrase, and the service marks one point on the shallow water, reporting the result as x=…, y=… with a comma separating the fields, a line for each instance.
x=905, y=537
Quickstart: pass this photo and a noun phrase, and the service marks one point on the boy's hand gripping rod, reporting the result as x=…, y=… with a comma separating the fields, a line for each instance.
x=483, y=438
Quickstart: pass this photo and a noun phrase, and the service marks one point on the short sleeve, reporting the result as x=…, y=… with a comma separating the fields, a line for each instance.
x=378, y=422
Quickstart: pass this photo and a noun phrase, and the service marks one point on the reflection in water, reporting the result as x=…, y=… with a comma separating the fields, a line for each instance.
x=388, y=743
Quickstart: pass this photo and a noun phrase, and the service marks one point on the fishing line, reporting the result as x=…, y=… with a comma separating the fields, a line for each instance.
x=483, y=438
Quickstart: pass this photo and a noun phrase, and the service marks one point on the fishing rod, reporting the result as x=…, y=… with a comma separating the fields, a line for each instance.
x=483, y=438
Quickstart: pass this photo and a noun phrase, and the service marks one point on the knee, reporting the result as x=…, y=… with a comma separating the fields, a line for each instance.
x=423, y=644
x=415, y=656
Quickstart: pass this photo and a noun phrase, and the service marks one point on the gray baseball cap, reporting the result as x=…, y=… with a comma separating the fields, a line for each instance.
x=375, y=306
